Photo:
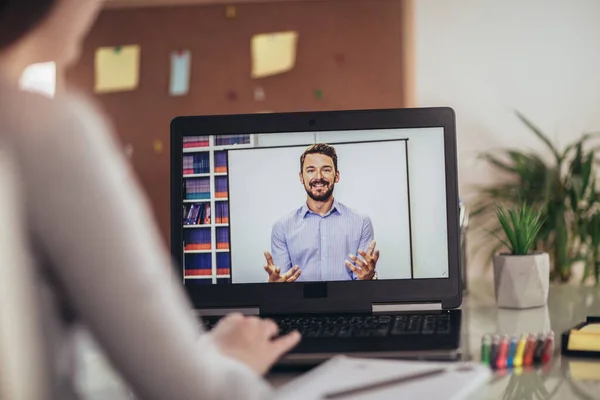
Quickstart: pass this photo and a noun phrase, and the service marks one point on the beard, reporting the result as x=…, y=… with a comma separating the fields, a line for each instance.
x=323, y=196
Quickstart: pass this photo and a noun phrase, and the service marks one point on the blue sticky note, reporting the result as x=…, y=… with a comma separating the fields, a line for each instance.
x=180, y=73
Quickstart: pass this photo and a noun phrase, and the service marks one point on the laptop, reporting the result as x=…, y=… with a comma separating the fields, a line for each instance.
x=343, y=225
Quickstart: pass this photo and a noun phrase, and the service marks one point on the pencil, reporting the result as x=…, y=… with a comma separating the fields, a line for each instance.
x=384, y=383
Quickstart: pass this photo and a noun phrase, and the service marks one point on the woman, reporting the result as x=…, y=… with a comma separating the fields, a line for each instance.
x=97, y=250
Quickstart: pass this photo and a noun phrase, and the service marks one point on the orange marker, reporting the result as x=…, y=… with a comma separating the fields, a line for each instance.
x=529, y=351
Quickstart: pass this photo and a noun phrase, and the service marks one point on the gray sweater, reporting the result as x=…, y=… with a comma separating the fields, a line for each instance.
x=100, y=260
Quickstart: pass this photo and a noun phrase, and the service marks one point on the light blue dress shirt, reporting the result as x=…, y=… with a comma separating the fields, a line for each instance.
x=320, y=245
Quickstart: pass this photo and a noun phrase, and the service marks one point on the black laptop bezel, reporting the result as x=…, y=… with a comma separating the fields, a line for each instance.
x=299, y=297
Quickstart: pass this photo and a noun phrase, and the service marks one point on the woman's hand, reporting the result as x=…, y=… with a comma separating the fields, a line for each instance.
x=251, y=341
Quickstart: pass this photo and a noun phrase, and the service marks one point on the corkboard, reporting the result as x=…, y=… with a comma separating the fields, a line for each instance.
x=349, y=49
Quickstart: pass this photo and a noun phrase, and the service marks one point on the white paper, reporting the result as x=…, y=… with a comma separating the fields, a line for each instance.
x=342, y=373
x=180, y=73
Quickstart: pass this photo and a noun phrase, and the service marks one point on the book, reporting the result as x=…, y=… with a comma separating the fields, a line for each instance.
x=221, y=161
x=222, y=238
x=193, y=214
x=198, y=265
x=198, y=239
x=228, y=140
x=195, y=141
x=221, y=187
x=206, y=216
x=197, y=189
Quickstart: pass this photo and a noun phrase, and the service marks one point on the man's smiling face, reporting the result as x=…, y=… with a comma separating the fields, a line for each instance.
x=319, y=176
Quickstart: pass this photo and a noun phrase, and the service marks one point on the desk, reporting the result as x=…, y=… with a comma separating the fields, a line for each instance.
x=567, y=306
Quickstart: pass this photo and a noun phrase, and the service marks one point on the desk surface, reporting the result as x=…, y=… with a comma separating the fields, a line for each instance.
x=567, y=306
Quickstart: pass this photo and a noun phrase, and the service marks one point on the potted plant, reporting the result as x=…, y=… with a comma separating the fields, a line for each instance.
x=521, y=276
x=564, y=184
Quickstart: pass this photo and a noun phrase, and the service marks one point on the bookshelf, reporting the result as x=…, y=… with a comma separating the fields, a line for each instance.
x=206, y=207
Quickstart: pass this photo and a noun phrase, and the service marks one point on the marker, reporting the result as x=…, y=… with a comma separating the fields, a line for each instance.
x=539, y=349
x=548, y=347
x=494, y=350
x=529, y=351
x=511, y=352
x=518, y=361
x=485, y=349
x=502, y=353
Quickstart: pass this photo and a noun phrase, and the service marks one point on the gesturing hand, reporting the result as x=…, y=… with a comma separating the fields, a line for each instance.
x=275, y=274
x=364, y=268
x=250, y=340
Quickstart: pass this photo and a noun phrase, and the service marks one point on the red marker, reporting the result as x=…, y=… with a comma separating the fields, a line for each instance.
x=502, y=353
x=529, y=351
x=548, y=348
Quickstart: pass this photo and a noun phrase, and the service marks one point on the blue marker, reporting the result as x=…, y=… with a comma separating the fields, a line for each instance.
x=511, y=352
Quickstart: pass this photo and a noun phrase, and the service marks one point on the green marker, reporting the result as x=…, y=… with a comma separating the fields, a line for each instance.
x=486, y=341
x=319, y=94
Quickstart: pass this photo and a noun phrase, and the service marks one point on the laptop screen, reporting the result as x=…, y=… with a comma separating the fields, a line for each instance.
x=314, y=206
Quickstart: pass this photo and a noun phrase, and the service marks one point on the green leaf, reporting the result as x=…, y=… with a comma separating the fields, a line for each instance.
x=497, y=162
x=586, y=171
x=521, y=226
x=540, y=135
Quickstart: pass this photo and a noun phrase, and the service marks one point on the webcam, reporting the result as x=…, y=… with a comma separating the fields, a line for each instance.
x=312, y=122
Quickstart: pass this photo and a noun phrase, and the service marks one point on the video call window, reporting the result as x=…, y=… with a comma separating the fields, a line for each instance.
x=314, y=206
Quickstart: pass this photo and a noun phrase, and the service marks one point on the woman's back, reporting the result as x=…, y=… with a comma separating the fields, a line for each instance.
x=97, y=255
x=25, y=374
x=100, y=260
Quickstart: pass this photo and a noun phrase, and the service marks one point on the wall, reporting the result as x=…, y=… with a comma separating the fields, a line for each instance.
x=486, y=58
x=367, y=32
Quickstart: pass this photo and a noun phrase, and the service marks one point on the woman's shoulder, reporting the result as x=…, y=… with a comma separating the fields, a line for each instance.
x=35, y=116
x=70, y=121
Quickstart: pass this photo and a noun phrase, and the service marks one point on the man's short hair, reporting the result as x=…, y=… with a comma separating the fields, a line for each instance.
x=320, y=148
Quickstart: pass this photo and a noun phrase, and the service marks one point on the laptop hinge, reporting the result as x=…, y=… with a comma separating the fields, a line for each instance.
x=395, y=307
x=209, y=312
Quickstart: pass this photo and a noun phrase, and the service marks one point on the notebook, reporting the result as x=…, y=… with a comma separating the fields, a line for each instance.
x=381, y=379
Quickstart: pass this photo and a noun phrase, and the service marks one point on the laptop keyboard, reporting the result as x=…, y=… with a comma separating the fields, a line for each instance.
x=344, y=326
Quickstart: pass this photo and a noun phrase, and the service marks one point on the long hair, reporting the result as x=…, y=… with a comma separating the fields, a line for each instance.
x=19, y=17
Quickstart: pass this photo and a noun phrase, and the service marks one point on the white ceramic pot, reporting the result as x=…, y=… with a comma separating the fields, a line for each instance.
x=521, y=281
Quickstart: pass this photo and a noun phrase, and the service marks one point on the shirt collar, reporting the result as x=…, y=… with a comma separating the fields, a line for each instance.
x=335, y=207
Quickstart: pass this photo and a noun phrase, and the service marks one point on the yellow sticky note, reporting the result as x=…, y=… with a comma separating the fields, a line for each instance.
x=273, y=53
x=230, y=11
x=117, y=68
x=591, y=328
x=584, y=370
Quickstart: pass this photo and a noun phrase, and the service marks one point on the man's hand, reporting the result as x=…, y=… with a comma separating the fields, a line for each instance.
x=250, y=340
x=364, y=268
x=275, y=272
